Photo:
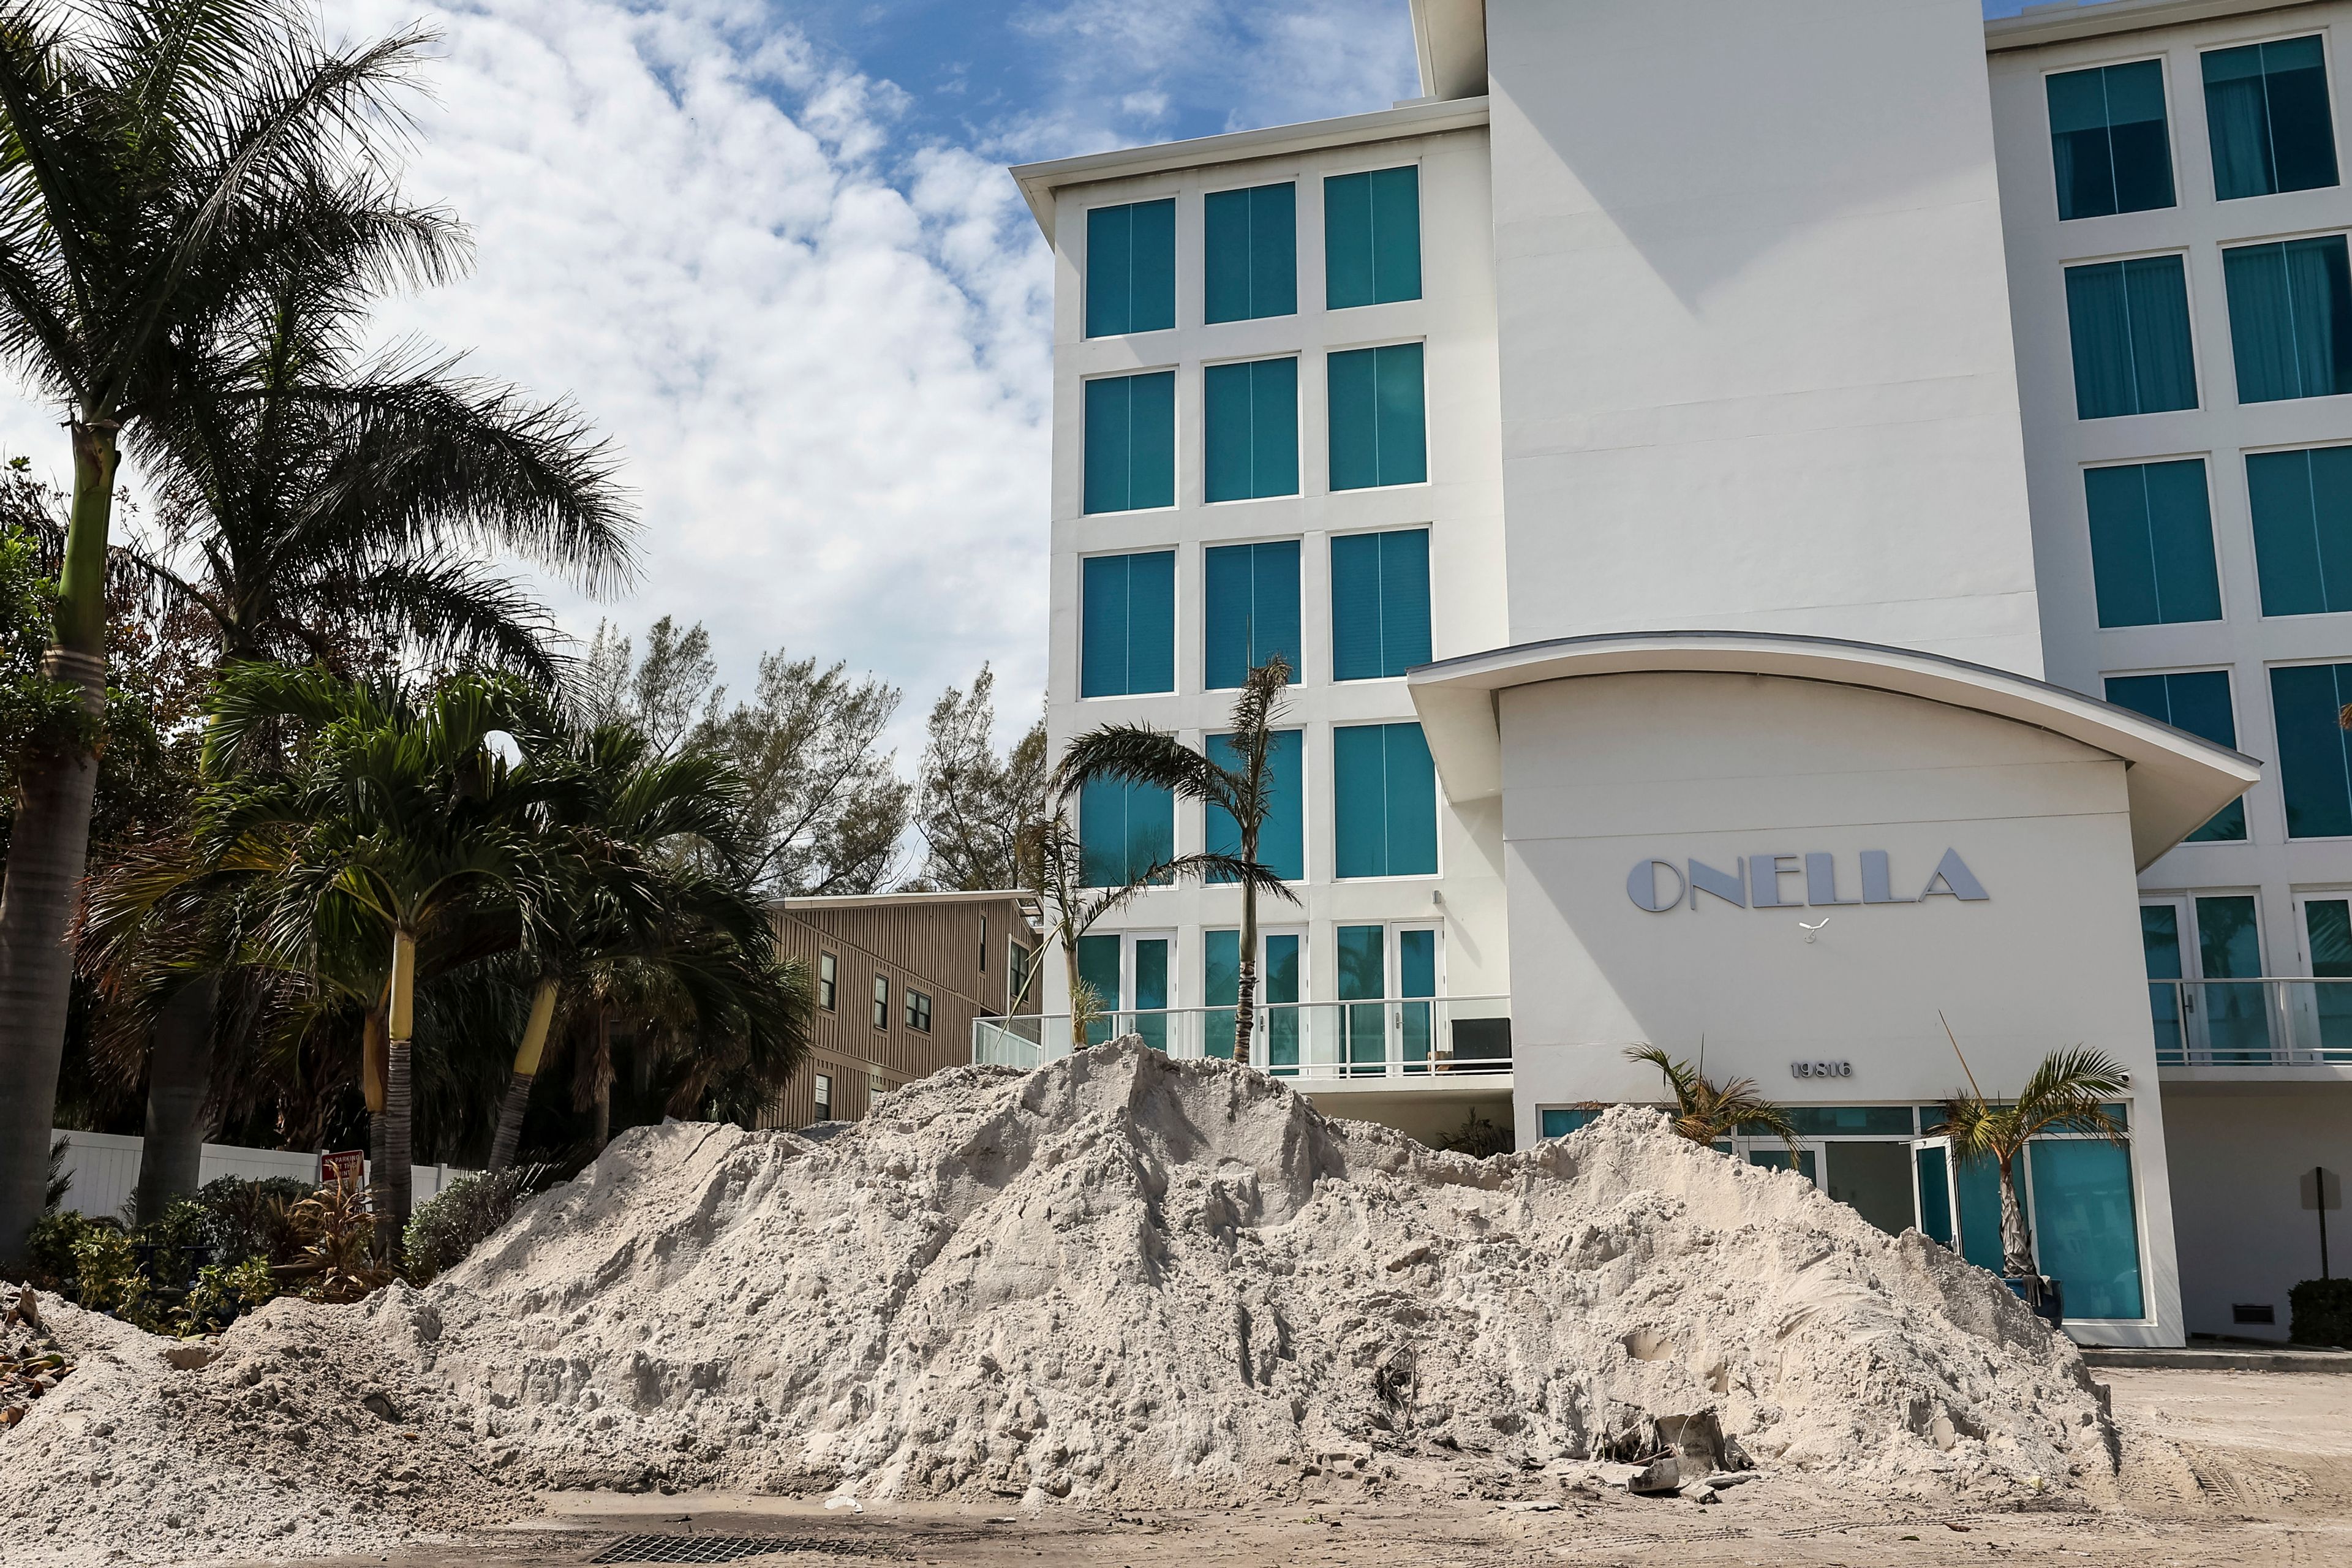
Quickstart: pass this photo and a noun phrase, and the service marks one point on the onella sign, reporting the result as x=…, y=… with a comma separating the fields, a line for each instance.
x=1762, y=882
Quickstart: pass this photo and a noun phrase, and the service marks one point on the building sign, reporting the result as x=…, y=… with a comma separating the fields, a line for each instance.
x=343, y=1167
x=1820, y=1070
x=1813, y=880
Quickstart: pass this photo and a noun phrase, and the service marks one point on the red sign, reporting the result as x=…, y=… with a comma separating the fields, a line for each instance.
x=341, y=1166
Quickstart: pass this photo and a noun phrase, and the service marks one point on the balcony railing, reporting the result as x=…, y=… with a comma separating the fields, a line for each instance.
x=2291, y=1022
x=1397, y=1042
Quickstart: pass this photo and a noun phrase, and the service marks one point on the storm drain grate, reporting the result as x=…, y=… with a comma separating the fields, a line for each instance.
x=730, y=1548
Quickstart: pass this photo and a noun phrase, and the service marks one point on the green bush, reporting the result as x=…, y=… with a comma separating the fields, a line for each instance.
x=108, y=1278
x=226, y=1292
x=2319, y=1312
x=444, y=1231
x=253, y=1218
x=51, y=1245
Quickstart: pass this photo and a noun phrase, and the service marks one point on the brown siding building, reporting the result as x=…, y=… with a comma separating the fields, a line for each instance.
x=900, y=978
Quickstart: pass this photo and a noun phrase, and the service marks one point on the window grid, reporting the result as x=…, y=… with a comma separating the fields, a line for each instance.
x=918, y=1011
x=2314, y=752
x=881, y=1001
x=1378, y=418
x=1249, y=264
x=2151, y=529
x=1131, y=268
x=2290, y=318
x=827, y=973
x=2128, y=325
x=1249, y=611
x=2300, y=506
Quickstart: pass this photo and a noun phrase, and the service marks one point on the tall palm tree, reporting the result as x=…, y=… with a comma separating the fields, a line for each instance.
x=2067, y=1093
x=1243, y=790
x=159, y=160
x=653, y=898
x=400, y=824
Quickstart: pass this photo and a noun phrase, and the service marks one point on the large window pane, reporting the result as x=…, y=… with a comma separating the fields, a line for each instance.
x=2198, y=702
x=2159, y=937
x=1378, y=428
x=2230, y=950
x=2086, y=1229
x=2152, y=544
x=2302, y=505
x=2315, y=762
x=1281, y=838
x=2267, y=115
x=1371, y=238
x=1098, y=973
x=1251, y=610
x=1250, y=253
x=1385, y=801
x=1131, y=461
x=1250, y=418
x=1131, y=268
x=1380, y=603
x=2108, y=140
x=1127, y=612
x=1221, y=990
x=2289, y=319
x=1124, y=830
x=2129, y=324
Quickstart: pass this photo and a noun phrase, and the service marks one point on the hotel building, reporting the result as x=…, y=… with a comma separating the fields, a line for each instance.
x=1796, y=527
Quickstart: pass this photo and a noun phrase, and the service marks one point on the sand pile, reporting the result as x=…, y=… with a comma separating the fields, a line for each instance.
x=1120, y=1278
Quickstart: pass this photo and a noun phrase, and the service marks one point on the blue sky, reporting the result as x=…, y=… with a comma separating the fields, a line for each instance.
x=770, y=247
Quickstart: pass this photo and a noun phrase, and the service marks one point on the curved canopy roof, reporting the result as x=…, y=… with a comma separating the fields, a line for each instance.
x=2176, y=781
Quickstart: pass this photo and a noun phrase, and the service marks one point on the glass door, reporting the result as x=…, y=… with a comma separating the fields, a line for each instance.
x=1363, y=987
x=2231, y=1016
x=1275, y=1042
x=1128, y=974
x=2160, y=926
x=1279, y=986
x=1388, y=984
x=2326, y=926
x=1415, y=951
x=1932, y=1196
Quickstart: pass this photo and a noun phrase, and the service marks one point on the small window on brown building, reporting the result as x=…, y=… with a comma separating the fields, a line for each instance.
x=881, y=1001
x=828, y=974
x=918, y=1011
x=824, y=1097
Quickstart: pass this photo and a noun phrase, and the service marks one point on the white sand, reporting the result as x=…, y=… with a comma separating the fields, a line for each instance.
x=1119, y=1278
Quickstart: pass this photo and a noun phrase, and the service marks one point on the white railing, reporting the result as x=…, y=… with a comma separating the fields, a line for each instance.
x=1398, y=1040
x=2271, y=1022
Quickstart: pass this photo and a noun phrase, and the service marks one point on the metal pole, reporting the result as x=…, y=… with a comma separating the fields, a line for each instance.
x=2319, y=1189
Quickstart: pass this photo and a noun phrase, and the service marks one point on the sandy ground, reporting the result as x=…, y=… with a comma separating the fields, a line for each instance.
x=2221, y=1468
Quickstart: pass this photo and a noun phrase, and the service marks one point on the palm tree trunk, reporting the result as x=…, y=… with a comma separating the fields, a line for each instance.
x=1077, y=1014
x=48, y=850
x=397, y=1126
x=526, y=1068
x=603, y=1133
x=179, y=1082
x=1245, y=992
x=2016, y=1243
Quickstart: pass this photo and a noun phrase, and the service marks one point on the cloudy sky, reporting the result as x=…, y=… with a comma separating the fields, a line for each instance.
x=768, y=247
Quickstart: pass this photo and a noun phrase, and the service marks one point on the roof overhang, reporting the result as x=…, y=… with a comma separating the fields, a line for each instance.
x=2175, y=780
x=1450, y=37
x=1038, y=181
x=2060, y=24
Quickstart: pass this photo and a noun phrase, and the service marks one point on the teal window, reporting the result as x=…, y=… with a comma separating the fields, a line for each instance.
x=1098, y=973
x=1249, y=263
x=1558, y=1121
x=2314, y=752
x=1384, y=789
x=1371, y=238
x=2160, y=941
x=2108, y=140
x=2229, y=949
x=2289, y=319
x=1841, y=1120
x=1131, y=442
x=2129, y=323
x=2152, y=544
x=1250, y=425
x=1124, y=830
x=1249, y=611
x=2302, y=505
x=1221, y=990
x=1380, y=603
x=2197, y=701
x=1126, y=614
x=1131, y=268
x=1281, y=838
x=1378, y=428
x=2266, y=111
x=2085, y=1228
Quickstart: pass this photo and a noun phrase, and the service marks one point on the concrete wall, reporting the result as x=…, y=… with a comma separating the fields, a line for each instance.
x=1756, y=360
x=2239, y=1153
x=2220, y=429
x=1604, y=773
x=1461, y=505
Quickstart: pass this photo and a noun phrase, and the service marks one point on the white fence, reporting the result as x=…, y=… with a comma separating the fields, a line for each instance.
x=105, y=1169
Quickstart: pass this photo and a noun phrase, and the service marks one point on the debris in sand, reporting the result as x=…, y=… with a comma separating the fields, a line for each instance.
x=1119, y=1278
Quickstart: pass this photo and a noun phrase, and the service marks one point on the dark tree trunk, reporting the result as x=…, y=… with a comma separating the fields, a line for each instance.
x=178, y=1085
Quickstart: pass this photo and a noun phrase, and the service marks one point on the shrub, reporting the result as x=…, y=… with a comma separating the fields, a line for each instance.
x=253, y=1218
x=444, y=1231
x=51, y=1247
x=108, y=1278
x=337, y=1262
x=226, y=1292
x=1478, y=1138
x=2319, y=1312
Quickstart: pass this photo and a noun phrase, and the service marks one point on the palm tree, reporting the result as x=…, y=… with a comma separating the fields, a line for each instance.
x=399, y=823
x=653, y=898
x=159, y=160
x=1705, y=1112
x=1244, y=791
x=2067, y=1093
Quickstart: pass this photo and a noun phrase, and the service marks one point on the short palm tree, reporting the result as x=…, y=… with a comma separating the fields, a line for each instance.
x=1706, y=1111
x=1243, y=789
x=159, y=160
x=2067, y=1093
x=398, y=824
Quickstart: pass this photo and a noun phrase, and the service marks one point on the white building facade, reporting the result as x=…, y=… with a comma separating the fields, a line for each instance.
x=1794, y=526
